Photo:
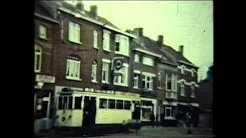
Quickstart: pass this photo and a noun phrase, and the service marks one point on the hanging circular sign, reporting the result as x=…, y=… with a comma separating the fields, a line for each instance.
x=39, y=107
x=118, y=64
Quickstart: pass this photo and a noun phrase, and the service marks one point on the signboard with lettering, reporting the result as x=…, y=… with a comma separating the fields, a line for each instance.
x=117, y=63
x=45, y=78
x=127, y=94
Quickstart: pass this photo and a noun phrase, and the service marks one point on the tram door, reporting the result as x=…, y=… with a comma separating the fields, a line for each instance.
x=89, y=111
x=136, y=111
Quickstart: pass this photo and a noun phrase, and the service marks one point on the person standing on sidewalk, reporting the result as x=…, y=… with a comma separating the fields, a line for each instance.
x=188, y=122
x=152, y=118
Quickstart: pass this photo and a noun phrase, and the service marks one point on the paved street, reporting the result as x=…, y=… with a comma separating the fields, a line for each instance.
x=160, y=132
x=134, y=136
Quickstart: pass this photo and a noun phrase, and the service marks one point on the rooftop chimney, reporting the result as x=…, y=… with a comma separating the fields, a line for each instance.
x=93, y=11
x=160, y=39
x=138, y=32
x=181, y=49
x=79, y=6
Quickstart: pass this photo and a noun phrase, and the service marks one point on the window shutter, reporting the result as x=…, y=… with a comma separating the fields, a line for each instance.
x=70, y=30
x=127, y=46
x=176, y=85
x=79, y=64
x=166, y=80
x=95, y=39
x=126, y=76
x=172, y=81
x=153, y=83
x=78, y=32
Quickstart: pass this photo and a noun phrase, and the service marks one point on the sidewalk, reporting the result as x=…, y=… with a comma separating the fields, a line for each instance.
x=160, y=131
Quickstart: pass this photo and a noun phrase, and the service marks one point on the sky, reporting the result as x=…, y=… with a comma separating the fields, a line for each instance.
x=188, y=23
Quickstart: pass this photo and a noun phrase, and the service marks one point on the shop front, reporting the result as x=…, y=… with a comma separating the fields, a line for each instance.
x=170, y=111
x=43, y=102
x=148, y=106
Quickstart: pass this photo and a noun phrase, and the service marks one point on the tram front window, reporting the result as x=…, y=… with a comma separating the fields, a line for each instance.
x=119, y=104
x=65, y=102
x=111, y=104
x=127, y=105
x=103, y=103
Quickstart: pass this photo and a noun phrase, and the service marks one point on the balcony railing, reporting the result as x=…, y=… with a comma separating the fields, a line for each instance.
x=171, y=95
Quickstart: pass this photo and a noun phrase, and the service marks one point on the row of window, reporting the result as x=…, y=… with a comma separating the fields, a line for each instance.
x=66, y=102
x=147, y=82
x=114, y=104
x=145, y=60
x=73, y=72
x=192, y=71
x=74, y=35
x=182, y=90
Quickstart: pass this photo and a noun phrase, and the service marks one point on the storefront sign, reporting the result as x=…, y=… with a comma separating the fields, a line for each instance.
x=127, y=94
x=195, y=104
x=170, y=103
x=45, y=78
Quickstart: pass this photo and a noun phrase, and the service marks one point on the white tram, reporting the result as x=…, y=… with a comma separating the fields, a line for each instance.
x=75, y=108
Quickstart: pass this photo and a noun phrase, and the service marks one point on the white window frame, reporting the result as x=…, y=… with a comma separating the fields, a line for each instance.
x=38, y=52
x=136, y=58
x=168, y=108
x=173, y=82
x=182, y=69
x=123, y=44
x=67, y=105
x=146, y=61
x=95, y=39
x=167, y=75
x=141, y=112
x=182, y=88
x=106, y=81
x=124, y=75
x=106, y=40
x=74, y=32
x=193, y=94
x=135, y=85
x=150, y=82
x=42, y=32
x=94, y=72
x=73, y=66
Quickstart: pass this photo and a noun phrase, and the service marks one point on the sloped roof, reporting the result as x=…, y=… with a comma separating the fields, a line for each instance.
x=148, y=44
x=87, y=14
x=47, y=8
x=177, y=55
x=43, y=8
